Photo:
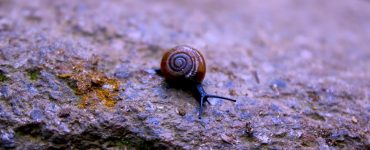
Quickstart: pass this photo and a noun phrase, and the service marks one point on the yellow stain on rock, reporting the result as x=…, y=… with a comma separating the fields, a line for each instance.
x=92, y=86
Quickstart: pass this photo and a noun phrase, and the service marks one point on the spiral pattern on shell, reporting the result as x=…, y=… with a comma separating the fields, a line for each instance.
x=183, y=63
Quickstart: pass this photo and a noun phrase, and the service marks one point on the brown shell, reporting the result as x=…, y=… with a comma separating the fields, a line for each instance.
x=183, y=63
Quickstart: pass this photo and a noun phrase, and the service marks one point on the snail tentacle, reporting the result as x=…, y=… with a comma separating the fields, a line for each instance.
x=220, y=97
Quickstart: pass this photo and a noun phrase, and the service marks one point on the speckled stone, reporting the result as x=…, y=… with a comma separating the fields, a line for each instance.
x=298, y=69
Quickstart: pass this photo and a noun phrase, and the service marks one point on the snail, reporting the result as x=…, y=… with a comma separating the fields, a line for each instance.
x=185, y=67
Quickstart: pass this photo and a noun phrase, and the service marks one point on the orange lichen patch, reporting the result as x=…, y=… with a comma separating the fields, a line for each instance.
x=86, y=102
x=93, y=86
x=106, y=96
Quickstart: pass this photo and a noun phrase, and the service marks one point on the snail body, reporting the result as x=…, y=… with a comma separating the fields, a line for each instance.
x=185, y=66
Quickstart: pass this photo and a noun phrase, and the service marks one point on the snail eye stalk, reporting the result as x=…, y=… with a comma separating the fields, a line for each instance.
x=220, y=97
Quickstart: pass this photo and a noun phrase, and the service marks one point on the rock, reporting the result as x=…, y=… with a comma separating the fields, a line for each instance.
x=122, y=74
x=354, y=120
x=37, y=115
x=227, y=139
x=181, y=111
x=82, y=75
x=249, y=129
x=7, y=140
x=278, y=84
x=5, y=92
x=262, y=138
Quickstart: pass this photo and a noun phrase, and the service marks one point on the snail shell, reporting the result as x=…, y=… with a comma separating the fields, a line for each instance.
x=183, y=63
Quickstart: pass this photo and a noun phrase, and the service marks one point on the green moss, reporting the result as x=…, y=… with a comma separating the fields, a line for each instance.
x=3, y=77
x=33, y=74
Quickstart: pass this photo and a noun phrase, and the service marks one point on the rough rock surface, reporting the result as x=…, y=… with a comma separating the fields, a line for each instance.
x=300, y=71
